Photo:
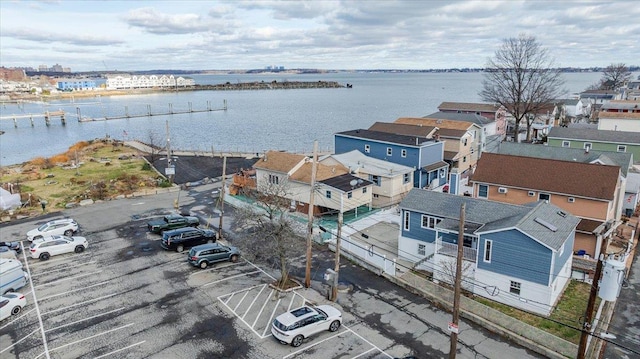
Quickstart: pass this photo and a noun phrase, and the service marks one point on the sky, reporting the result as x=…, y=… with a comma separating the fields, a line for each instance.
x=318, y=34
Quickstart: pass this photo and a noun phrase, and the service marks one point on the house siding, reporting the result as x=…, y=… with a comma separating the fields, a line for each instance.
x=561, y=259
x=536, y=259
x=599, y=146
x=415, y=229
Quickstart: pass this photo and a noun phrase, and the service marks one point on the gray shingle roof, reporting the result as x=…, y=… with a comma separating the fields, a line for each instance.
x=620, y=137
x=343, y=182
x=466, y=117
x=386, y=137
x=488, y=215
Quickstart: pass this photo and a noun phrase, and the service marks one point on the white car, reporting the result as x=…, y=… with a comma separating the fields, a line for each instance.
x=46, y=247
x=11, y=304
x=66, y=226
x=294, y=326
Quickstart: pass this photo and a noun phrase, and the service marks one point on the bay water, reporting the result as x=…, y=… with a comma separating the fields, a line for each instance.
x=254, y=121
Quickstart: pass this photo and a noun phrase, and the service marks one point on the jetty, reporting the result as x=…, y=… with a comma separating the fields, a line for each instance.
x=47, y=115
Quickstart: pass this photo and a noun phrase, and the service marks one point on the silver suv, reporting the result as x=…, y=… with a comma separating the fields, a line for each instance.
x=205, y=254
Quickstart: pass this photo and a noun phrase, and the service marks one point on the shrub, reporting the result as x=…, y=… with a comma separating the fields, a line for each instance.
x=63, y=158
x=78, y=146
x=146, y=166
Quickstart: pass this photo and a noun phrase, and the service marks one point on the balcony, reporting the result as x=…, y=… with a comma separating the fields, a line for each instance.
x=451, y=250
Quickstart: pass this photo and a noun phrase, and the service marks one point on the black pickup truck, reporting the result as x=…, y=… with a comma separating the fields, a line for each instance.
x=172, y=221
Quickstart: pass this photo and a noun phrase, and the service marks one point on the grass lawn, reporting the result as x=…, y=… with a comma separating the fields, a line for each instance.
x=570, y=309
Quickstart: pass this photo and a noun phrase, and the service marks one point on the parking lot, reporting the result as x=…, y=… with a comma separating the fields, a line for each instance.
x=125, y=297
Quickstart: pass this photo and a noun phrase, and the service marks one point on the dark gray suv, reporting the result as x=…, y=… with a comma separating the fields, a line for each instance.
x=205, y=254
x=187, y=237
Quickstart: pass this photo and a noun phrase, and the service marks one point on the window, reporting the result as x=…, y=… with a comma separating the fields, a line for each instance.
x=515, y=287
x=622, y=148
x=483, y=191
x=571, y=199
x=544, y=197
x=349, y=194
x=367, y=148
x=566, y=143
x=376, y=195
x=587, y=146
x=406, y=221
x=464, y=142
x=364, y=189
x=375, y=179
x=328, y=194
x=273, y=179
x=422, y=249
x=488, y=244
x=430, y=222
x=389, y=151
x=531, y=193
x=464, y=159
x=406, y=178
x=403, y=153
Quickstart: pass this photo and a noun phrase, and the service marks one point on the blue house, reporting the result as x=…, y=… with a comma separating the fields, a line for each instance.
x=520, y=255
x=422, y=154
x=75, y=84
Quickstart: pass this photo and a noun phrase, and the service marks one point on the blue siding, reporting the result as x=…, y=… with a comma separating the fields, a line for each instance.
x=431, y=153
x=566, y=254
x=449, y=237
x=516, y=255
x=415, y=229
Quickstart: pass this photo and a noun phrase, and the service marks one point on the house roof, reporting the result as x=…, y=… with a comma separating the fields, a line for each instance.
x=401, y=129
x=323, y=172
x=570, y=178
x=465, y=117
x=435, y=166
x=620, y=137
x=588, y=225
x=482, y=215
x=567, y=101
x=467, y=106
x=440, y=123
x=450, y=155
x=279, y=161
x=344, y=182
x=355, y=160
x=621, y=105
x=619, y=115
x=387, y=137
x=446, y=132
x=622, y=159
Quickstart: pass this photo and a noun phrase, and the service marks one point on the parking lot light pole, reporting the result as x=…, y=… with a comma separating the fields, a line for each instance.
x=334, y=288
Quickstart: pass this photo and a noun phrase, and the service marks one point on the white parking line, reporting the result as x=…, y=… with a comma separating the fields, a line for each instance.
x=35, y=303
x=24, y=314
x=240, y=301
x=314, y=344
x=254, y=299
x=273, y=313
x=232, y=277
x=75, y=290
x=262, y=308
x=82, y=320
x=67, y=279
x=119, y=350
x=87, y=338
x=368, y=342
x=21, y=339
x=49, y=261
x=81, y=303
x=361, y=354
x=66, y=268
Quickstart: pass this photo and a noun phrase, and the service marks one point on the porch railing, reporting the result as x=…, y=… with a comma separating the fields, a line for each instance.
x=450, y=249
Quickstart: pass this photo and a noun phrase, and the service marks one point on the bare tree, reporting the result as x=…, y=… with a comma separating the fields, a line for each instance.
x=614, y=76
x=522, y=78
x=154, y=146
x=272, y=234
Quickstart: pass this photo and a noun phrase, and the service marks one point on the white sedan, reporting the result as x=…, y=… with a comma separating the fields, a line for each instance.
x=294, y=326
x=11, y=304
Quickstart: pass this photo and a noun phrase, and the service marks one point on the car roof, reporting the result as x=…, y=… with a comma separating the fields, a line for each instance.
x=206, y=246
x=294, y=315
x=183, y=229
x=63, y=220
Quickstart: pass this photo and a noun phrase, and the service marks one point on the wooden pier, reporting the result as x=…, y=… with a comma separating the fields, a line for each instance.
x=47, y=115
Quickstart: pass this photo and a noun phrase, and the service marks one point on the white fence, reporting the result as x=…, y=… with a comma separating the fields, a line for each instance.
x=369, y=254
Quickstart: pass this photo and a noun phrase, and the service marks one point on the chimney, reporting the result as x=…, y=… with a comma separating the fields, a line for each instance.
x=586, y=149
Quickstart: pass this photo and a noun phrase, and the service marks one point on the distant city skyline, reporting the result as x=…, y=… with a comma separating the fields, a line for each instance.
x=345, y=35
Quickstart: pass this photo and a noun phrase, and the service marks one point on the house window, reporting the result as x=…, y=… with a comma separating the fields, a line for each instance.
x=376, y=195
x=566, y=143
x=364, y=189
x=587, y=146
x=622, y=148
x=403, y=153
x=406, y=221
x=464, y=142
x=515, y=287
x=544, y=197
x=430, y=222
x=422, y=250
x=488, y=244
x=571, y=199
x=531, y=193
x=375, y=179
x=273, y=179
x=389, y=151
x=328, y=194
x=349, y=194
x=367, y=148
x=464, y=159
x=483, y=191
x=406, y=178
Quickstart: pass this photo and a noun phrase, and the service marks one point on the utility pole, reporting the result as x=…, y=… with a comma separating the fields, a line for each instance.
x=170, y=171
x=307, y=277
x=224, y=175
x=588, y=315
x=334, y=288
x=456, y=294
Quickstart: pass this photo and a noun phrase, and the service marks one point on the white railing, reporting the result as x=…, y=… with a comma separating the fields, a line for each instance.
x=369, y=254
x=450, y=249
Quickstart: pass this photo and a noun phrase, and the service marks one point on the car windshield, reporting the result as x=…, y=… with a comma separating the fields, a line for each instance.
x=280, y=326
x=322, y=312
x=43, y=227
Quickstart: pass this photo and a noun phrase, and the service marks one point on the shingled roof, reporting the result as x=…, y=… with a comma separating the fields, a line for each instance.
x=466, y=106
x=278, y=161
x=386, y=137
x=440, y=123
x=402, y=129
x=621, y=137
x=541, y=174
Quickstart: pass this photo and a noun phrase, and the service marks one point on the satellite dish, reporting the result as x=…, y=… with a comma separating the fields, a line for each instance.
x=353, y=183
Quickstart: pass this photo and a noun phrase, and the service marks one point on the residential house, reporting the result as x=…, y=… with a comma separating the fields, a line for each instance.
x=632, y=90
x=75, y=84
x=484, y=128
x=289, y=176
x=570, y=111
x=620, y=115
x=593, y=139
x=493, y=112
x=598, y=97
x=421, y=154
x=520, y=255
x=590, y=191
x=391, y=181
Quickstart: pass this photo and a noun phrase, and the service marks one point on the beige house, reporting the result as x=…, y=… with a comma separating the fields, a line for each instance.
x=290, y=174
x=391, y=181
x=590, y=191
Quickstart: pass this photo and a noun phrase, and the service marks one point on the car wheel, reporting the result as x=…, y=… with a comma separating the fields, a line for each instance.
x=79, y=249
x=234, y=258
x=334, y=326
x=180, y=248
x=17, y=309
x=297, y=341
x=68, y=233
x=44, y=256
x=203, y=264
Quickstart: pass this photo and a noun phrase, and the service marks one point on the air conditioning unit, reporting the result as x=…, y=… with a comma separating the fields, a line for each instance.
x=502, y=190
